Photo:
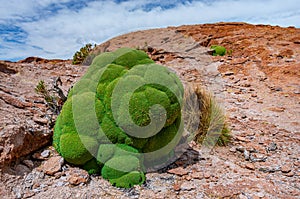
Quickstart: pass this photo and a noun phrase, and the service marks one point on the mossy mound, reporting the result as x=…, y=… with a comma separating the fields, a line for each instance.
x=124, y=107
x=218, y=50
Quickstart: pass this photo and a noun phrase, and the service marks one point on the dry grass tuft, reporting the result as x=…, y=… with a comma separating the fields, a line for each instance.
x=204, y=118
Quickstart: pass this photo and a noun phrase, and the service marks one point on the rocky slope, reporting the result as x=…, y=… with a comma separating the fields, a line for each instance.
x=257, y=83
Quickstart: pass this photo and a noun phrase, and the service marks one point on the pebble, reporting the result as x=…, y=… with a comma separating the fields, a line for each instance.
x=229, y=73
x=290, y=174
x=239, y=138
x=45, y=154
x=244, y=116
x=53, y=165
x=187, y=186
x=242, y=196
x=207, y=175
x=197, y=175
x=297, y=92
x=178, y=171
x=60, y=184
x=272, y=147
x=286, y=169
x=250, y=166
x=40, y=120
x=260, y=195
x=177, y=187
x=78, y=176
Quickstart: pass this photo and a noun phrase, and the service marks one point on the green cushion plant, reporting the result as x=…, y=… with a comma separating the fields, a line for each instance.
x=123, y=110
x=218, y=50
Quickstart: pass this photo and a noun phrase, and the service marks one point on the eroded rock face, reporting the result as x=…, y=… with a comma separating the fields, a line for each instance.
x=25, y=124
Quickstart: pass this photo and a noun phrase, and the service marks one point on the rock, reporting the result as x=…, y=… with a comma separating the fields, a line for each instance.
x=290, y=174
x=276, y=109
x=15, y=140
x=178, y=171
x=45, y=153
x=229, y=73
x=260, y=194
x=244, y=116
x=272, y=147
x=187, y=186
x=207, y=175
x=28, y=194
x=77, y=176
x=53, y=165
x=22, y=169
x=243, y=139
x=250, y=166
x=246, y=154
x=176, y=187
x=286, y=169
x=197, y=175
x=23, y=130
x=28, y=163
x=40, y=120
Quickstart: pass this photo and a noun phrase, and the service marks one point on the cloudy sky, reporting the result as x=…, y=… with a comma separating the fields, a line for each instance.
x=58, y=28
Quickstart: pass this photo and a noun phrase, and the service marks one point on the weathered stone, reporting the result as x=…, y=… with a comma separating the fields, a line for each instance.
x=22, y=129
x=178, y=171
x=286, y=169
x=77, y=176
x=53, y=165
x=250, y=166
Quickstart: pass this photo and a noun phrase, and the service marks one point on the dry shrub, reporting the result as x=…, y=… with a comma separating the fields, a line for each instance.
x=204, y=118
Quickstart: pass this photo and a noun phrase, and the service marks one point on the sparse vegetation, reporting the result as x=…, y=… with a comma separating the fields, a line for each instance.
x=83, y=54
x=42, y=90
x=54, y=97
x=205, y=118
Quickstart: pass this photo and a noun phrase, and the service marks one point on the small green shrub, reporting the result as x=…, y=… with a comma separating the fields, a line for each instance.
x=80, y=56
x=54, y=97
x=218, y=50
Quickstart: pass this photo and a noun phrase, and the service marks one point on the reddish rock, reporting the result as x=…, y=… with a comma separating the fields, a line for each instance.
x=197, y=175
x=77, y=176
x=177, y=187
x=24, y=128
x=53, y=165
x=178, y=171
x=286, y=169
x=250, y=166
x=207, y=175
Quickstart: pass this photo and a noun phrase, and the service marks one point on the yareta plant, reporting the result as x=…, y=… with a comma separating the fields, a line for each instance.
x=218, y=50
x=122, y=118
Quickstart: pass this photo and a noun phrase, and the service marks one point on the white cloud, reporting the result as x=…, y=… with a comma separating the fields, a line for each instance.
x=59, y=35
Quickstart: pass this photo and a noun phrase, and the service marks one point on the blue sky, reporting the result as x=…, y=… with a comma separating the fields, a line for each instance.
x=58, y=28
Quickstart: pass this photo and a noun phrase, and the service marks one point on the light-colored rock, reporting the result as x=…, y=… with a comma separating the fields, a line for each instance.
x=77, y=176
x=53, y=165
